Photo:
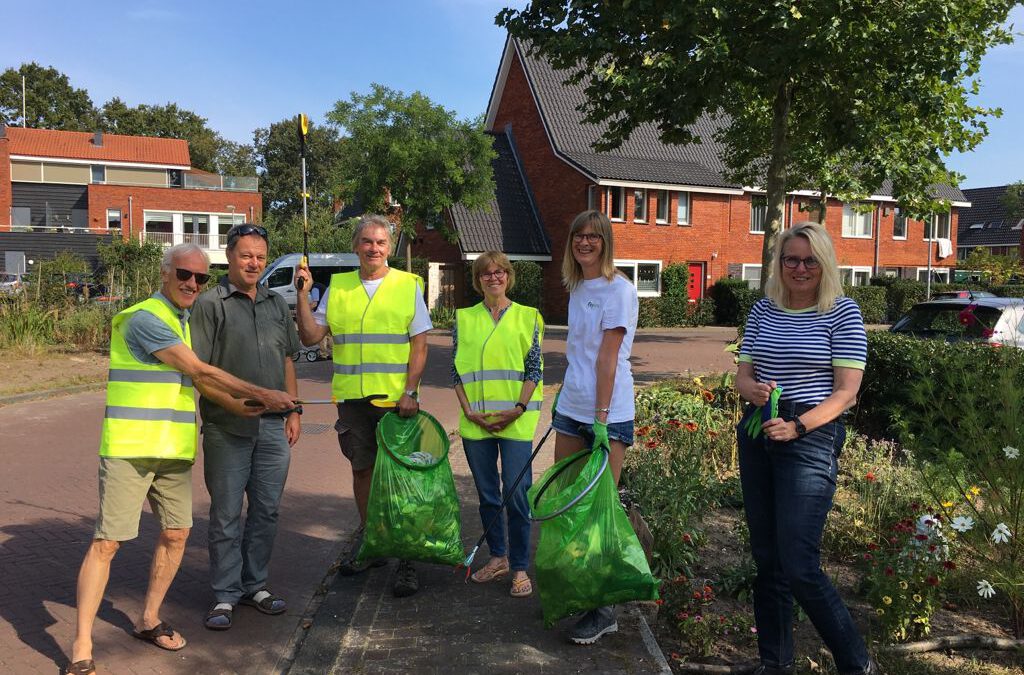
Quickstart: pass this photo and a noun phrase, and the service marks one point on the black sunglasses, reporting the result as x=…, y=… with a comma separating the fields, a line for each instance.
x=185, y=275
x=246, y=230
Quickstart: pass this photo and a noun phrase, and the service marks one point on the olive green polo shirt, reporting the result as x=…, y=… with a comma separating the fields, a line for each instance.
x=249, y=339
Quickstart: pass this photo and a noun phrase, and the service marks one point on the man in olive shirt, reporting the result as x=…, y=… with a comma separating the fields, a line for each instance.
x=241, y=327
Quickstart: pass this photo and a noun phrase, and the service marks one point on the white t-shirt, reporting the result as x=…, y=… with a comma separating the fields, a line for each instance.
x=420, y=321
x=594, y=307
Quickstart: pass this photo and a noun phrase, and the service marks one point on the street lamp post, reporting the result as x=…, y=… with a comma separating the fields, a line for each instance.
x=232, y=207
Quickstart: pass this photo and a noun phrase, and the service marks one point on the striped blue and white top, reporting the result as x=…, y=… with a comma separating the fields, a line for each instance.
x=800, y=348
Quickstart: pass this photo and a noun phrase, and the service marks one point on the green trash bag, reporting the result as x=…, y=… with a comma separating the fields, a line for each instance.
x=588, y=556
x=413, y=509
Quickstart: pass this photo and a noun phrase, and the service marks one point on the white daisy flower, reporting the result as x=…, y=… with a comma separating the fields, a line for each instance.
x=1011, y=452
x=985, y=589
x=962, y=523
x=1001, y=534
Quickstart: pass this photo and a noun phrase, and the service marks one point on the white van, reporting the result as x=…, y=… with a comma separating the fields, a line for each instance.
x=279, y=276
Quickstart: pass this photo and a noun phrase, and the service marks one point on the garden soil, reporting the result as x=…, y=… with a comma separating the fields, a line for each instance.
x=49, y=369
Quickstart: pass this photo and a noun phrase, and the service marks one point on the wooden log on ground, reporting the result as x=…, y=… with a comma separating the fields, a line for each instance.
x=956, y=642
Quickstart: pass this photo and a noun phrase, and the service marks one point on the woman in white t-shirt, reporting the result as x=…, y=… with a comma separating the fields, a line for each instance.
x=596, y=405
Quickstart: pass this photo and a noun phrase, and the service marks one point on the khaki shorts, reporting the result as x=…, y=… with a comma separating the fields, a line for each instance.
x=125, y=483
x=357, y=432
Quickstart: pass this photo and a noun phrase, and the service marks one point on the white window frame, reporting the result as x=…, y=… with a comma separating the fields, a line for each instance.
x=120, y=218
x=849, y=226
x=931, y=225
x=621, y=216
x=854, y=271
x=681, y=197
x=896, y=214
x=639, y=214
x=941, y=271
x=743, y=275
x=764, y=219
x=92, y=173
x=662, y=198
x=635, y=264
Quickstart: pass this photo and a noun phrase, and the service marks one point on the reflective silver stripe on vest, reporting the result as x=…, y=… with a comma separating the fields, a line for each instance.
x=371, y=339
x=481, y=406
x=148, y=376
x=486, y=375
x=121, y=412
x=364, y=368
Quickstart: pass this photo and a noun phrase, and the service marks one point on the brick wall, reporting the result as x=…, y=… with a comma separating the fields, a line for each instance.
x=103, y=197
x=432, y=245
x=5, y=183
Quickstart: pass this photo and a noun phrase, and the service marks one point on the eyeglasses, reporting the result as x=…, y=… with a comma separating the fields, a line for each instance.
x=496, y=274
x=185, y=275
x=245, y=230
x=590, y=237
x=792, y=262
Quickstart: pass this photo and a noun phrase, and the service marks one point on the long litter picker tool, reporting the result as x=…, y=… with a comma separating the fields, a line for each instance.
x=253, y=403
x=468, y=562
x=303, y=130
x=769, y=410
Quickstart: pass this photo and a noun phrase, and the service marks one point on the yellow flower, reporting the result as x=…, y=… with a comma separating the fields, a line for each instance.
x=887, y=600
x=975, y=490
x=903, y=585
x=917, y=598
x=879, y=611
x=947, y=505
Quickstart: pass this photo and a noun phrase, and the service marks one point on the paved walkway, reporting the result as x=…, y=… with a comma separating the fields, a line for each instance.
x=48, y=502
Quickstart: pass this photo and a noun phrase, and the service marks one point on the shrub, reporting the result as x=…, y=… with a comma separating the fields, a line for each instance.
x=529, y=283
x=25, y=326
x=675, y=281
x=442, y=316
x=649, y=315
x=702, y=312
x=733, y=299
x=50, y=279
x=870, y=299
x=86, y=327
x=1009, y=291
x=900, y=295
x=130, y=269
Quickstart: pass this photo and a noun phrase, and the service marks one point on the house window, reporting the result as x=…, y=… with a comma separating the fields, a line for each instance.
x=899, y=224
x=645, y=275
x=616, y=203
x=937, y=227
x=856, y=225
x=196, y=227
x=682, y=208
x=640, y=206
x=661, y=215
x=113, y=219
x=159, y=227
x=99, y=173
x=758, y=214
x=939, y=275
x=752, y=275
x=855, y=276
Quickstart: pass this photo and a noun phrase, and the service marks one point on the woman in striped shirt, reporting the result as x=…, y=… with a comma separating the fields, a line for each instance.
x=808, y=340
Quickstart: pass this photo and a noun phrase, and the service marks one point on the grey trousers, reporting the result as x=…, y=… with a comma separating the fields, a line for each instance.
x=235, y=467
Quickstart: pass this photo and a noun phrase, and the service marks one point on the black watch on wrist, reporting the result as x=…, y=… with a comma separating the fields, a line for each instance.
x=521, y=405
x=297, y=409
x=801, y=430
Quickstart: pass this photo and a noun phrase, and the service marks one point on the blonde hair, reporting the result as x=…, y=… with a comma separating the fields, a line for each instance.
x=829, y=288
x=374, y=221
x=487, y=259
x=572, y=273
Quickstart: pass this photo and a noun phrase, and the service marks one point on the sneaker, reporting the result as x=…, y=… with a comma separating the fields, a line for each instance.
x=593, y=625
x=349, y=566
x=406, y=580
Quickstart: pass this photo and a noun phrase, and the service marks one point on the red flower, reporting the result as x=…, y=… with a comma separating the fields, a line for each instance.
x=873, y=546
x=712, y=434
x=931, y=548
x=687, y=538
x=932, y=581
x=696, y=595
x=659, y=602
x=691, y=426
x=870, y=476
x=708, y=396
x=889, y=571
x=675, y=423
x=652, y=444
x=949, y=565
x=675, y=656
x=867, y=556
x=921, y=537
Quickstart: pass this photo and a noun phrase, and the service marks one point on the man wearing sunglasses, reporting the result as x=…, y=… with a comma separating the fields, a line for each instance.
x=248, y=331
x=149, y=443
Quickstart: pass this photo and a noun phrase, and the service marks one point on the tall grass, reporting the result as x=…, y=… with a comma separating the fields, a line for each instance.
x=25, y=327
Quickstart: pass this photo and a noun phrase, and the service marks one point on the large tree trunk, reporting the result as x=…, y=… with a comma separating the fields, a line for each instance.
x=776, y=178
x=822, y=206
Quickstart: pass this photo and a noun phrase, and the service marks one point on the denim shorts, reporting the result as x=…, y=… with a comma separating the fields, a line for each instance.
x=617, y=431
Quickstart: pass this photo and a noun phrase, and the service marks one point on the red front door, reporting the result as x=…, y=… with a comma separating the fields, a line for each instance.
x=696, y=283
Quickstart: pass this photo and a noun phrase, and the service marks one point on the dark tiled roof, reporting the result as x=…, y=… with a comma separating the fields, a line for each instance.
x=511, y=224
x=947, y=192
x=644, y=157
x=987, y=209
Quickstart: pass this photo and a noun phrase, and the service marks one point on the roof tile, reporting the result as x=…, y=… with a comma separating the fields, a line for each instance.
x=115, y=148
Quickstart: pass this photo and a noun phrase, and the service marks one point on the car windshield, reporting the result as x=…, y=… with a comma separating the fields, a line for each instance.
x=949, y=321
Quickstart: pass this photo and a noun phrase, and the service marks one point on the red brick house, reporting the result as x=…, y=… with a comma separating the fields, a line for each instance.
x=69, y=190
x=668, y=204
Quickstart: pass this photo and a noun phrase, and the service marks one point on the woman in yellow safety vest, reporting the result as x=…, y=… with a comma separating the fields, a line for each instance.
x=497, y=373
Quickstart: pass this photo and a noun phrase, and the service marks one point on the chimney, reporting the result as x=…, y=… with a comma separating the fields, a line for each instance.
x=97, y=140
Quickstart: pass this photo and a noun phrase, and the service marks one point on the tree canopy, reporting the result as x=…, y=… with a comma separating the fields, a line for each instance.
x=164, y=121
x=832, y=94
x=1013, y=201
x=276, y=150
x=416, y=152
x=51, y=101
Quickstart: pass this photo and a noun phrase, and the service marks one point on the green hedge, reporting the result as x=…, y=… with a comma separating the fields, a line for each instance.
x=529, y=283
x=669, y=312
x=1009, y=291
x=733, y=299
x=675, y=281
x=871, y=300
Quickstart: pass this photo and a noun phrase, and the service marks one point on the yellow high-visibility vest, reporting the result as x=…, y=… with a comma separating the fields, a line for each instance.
x=371, y=337
x=151, y=409
x=491, y=361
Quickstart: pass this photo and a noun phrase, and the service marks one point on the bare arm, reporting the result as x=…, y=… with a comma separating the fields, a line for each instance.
x=749, y=388
x=607, y=364
x=293, y=424
x=843, y=397
x=417, y=362
x=310, y=333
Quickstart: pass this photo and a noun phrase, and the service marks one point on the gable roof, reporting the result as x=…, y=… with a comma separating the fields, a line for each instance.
x=78, y=145
x=512, y=223
x=644, y=157
x=988, y=211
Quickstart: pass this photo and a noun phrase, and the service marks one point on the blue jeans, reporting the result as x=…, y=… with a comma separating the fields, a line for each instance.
x=482, y=455
x=787, y=494
x=237, y=467
x=617, y=431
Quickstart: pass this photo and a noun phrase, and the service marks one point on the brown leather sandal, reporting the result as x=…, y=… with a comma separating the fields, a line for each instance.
x=83, y=667
x=490, y=573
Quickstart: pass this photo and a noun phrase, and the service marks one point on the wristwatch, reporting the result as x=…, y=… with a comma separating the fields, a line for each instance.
x=297, y=409
x=521, y=405
x=801, y=430
x=413, y=394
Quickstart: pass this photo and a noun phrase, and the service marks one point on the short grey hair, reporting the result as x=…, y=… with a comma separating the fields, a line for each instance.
x=172, y=253
x=372, y=220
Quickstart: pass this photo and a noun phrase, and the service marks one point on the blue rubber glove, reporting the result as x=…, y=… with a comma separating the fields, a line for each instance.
x=600, y=430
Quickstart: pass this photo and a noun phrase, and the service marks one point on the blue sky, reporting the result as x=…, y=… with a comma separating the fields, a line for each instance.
x=246, y=65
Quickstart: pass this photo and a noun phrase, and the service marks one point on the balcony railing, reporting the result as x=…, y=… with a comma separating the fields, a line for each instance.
x=202, y=181
x=207, y=241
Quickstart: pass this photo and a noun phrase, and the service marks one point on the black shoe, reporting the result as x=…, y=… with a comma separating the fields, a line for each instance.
x=406, y=580
x=218, y=619
x=349, y=567
x=773, y=670
x=593, y=625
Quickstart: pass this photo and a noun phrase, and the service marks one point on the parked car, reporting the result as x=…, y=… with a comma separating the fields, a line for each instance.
x=997, y=321
x=83, y=286
x=11, y=283
x=962, y=294
x=279, y=277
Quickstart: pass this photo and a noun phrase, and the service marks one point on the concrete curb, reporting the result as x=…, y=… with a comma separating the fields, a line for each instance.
x=651, y=642
x=50, y=393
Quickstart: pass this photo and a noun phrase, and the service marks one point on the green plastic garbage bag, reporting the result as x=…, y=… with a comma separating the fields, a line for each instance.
x=588, y=556
x=413, y=509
